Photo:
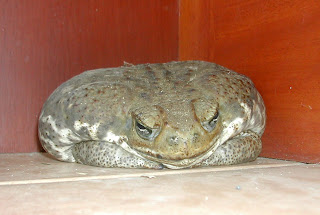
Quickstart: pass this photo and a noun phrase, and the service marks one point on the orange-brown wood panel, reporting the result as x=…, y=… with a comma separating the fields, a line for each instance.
x=277, y=44
x=196, y=30
x=43, y=43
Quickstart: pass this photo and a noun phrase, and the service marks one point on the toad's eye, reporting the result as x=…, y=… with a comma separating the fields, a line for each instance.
x=211, y=123
x=145, y=132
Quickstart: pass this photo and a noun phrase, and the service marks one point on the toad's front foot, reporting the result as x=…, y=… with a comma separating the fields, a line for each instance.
x=105, y=154
x=244, y=147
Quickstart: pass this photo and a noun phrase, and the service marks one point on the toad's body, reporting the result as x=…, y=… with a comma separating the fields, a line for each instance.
x=177, y=115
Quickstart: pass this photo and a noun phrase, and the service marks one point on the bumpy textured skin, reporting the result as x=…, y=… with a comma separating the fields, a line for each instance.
x=94, y=117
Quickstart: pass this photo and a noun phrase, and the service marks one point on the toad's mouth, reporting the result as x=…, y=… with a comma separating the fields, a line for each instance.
x=180, y=163
x=176, y=163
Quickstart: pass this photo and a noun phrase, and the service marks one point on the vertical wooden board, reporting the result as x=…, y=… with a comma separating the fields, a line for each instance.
x=196, y=30
x=277, y=44
x=43, y=43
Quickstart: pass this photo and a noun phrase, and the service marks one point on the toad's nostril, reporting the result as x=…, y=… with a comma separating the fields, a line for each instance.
x=195, y=137
x=174, y=139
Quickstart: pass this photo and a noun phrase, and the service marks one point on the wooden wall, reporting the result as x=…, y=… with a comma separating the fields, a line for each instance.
x=277, y=44
x=45, y=42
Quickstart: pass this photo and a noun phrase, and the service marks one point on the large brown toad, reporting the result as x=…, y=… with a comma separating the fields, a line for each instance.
x=174, y=115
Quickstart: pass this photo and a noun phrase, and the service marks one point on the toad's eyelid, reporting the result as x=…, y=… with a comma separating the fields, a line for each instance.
x=214, y=118
x=211, y=124
x=143, y=127
x=145, y=132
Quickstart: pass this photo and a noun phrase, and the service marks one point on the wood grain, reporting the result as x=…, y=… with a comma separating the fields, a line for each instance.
x=44, y=43
x=277, y=44
x=196, y=30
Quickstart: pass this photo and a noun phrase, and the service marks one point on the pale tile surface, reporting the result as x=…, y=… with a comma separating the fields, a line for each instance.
x=263, y=187
x=29, y=167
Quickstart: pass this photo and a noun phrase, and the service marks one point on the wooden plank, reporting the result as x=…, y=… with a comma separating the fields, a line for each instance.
x=44, y=43
x=277, y=44
x=196, y=28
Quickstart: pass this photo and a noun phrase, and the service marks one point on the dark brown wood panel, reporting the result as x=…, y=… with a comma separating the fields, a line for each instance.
x=277, y=44
x=46, y=42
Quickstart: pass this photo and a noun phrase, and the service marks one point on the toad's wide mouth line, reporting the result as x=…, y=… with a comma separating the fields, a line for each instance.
x=175, y=163
x=181, y=163
x=160, y=158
